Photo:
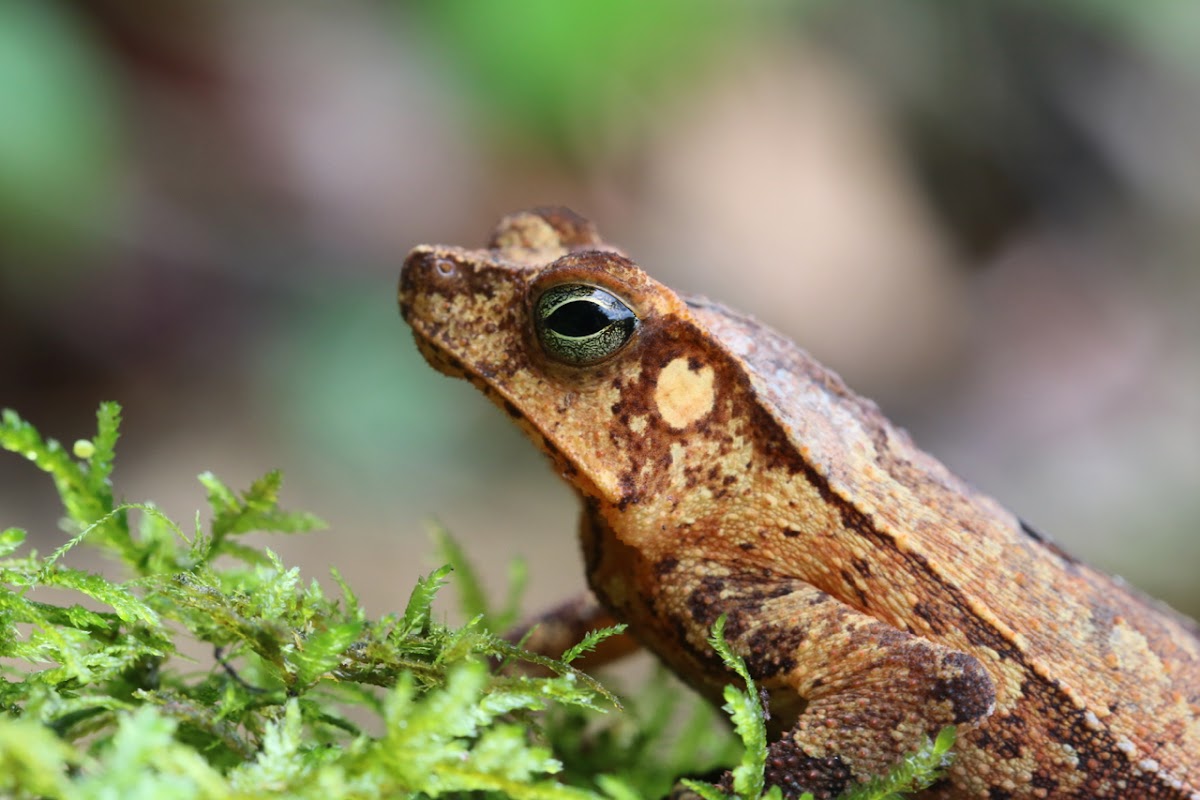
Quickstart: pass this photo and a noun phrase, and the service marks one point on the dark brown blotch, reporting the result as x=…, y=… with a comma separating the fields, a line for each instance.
x=511, y=410
x=665, y=566
x=771, y=649
x=970, y=689
x=862, y=566
x=1041, y=780
x=796, y=772
x=928, y=614
x=1008, y=732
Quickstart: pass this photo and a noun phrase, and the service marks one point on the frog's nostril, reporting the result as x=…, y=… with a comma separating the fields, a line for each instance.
x=420, y=268
x=422, y=263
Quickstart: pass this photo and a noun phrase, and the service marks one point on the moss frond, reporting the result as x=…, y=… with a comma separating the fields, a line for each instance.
x=306, y=696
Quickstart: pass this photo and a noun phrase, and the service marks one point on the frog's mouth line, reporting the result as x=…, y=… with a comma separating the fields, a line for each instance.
x=441, y=360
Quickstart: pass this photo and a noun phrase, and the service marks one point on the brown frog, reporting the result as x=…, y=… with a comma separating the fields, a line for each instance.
x=874, y=595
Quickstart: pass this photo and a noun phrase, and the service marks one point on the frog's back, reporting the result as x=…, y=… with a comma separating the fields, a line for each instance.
x=1084, y=667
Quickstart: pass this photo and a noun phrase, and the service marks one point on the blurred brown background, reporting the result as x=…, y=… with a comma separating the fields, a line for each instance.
x=985, y=215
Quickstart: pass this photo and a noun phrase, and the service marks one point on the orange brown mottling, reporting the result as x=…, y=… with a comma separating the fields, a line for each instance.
x=874, y=595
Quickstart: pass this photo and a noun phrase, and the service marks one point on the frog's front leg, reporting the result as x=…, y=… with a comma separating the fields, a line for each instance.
x=851, y=695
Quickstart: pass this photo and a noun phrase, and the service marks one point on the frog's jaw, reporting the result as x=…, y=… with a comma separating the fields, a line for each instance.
x=440, y=360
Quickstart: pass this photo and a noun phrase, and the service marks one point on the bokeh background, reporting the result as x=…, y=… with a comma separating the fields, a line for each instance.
x=985, y=215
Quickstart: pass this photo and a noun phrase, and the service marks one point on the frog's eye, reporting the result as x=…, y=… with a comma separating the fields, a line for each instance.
x=579, y=324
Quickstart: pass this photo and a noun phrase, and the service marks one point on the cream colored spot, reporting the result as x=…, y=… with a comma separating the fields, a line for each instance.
x=683, y=395
x=1134, y=652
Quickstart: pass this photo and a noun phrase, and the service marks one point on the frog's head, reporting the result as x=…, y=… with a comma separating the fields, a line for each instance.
x=603, y=367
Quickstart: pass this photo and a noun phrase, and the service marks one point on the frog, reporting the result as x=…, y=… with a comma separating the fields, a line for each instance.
x=875, y=597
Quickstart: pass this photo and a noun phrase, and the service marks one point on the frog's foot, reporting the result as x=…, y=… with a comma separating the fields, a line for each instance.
x=552, y=633
x=824, y=779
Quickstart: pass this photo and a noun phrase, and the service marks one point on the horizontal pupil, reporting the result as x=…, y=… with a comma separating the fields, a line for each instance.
x=578, y=318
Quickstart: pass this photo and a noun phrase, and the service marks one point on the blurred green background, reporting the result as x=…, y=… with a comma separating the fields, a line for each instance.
x=985, y=215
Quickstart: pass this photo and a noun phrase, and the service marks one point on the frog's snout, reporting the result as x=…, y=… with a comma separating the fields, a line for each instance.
x=426, y=280
x=425, y=271
x=460, y=309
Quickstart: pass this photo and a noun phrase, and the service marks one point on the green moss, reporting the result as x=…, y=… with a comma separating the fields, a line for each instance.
x=306, y=695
